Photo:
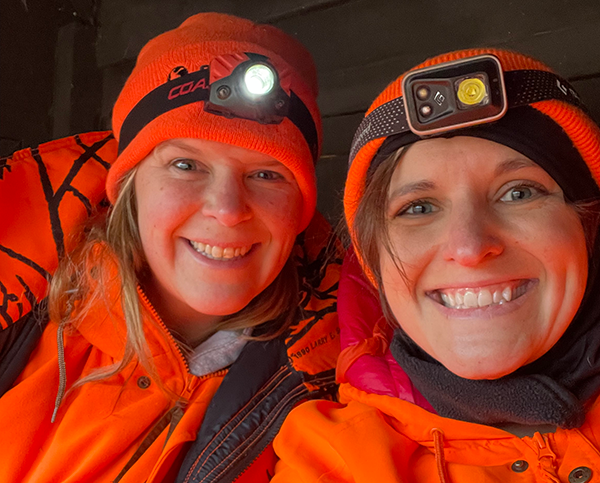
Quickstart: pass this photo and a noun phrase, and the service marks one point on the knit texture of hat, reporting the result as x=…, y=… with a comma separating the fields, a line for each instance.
x=195, y=43
x=582, y=131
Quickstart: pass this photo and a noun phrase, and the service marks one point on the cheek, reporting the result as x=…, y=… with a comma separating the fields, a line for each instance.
x=281, y=212
x=397, y=285
x=559, y=240
x=161, y=209
x=412, y=253
x=556, y=242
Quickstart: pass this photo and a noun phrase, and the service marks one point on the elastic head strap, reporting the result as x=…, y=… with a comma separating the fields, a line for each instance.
x=523, y=87
x=195, y=87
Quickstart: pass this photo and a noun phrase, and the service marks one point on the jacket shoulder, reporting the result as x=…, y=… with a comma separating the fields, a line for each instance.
x=45, y=192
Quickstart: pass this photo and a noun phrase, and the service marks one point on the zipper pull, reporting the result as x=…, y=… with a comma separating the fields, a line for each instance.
x=546, y=457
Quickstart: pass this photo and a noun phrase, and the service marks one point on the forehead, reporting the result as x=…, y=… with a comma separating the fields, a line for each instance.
x=462, y=155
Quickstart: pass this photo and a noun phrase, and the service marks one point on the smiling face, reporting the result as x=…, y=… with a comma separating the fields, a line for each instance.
x=495, y=260
x=217, y=224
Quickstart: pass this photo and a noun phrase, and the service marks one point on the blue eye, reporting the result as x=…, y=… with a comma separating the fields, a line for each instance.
x=184, y=164
x=268, y=175
x=522, y=193
x=418, y=207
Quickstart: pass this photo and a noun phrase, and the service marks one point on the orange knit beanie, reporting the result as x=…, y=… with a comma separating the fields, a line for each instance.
x=582, y=131
x=188, y=49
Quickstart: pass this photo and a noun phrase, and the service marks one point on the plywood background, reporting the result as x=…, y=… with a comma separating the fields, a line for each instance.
x=85, y=50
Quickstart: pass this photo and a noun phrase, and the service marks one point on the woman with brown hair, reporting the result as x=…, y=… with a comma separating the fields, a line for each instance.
x=471, y=202
x=175, y=320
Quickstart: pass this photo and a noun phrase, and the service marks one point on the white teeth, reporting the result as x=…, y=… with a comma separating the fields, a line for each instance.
x=484, y=298
x=468, y=298
x=219, y=253
x=199, y=246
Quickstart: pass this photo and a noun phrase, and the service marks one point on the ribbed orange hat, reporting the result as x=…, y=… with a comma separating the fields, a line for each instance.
x=194, y=44
x=583, y=132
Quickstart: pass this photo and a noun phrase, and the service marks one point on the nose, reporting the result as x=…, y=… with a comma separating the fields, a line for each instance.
x=226, y=200
x=472, y=237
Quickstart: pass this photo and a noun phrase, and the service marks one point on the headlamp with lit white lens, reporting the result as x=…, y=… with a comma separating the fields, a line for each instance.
x=245, y=86
x=259, y=79
x=454, y=95
x=250, y=91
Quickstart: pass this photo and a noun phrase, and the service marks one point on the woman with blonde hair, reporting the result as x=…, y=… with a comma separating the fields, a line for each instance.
x=469, y=315
x=176, y=322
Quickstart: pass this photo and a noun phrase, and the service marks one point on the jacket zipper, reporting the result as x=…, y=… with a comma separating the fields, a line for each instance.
x=178, y=404
x=148, y=305
x=546, y=457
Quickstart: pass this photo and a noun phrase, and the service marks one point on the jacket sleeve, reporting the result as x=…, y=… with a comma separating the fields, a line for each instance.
x=45, y=193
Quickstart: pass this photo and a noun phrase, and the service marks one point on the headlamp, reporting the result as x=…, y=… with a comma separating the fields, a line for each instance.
x=246, y=86
x=259, y=79
x=243, y=86
x=458, y=94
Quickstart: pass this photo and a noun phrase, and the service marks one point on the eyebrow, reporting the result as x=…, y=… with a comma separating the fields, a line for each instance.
x=416, y=187
x=172, y=143
x=426, y=185
x=513, y=165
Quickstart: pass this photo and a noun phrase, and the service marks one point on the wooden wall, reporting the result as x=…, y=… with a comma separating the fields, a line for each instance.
x=358, y=45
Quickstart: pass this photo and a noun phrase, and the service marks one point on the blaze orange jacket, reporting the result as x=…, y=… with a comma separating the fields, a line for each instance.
x=382, y=430
x=126, y=428
x=373, y=438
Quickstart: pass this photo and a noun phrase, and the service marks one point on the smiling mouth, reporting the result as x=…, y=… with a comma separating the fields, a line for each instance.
x=471, y=298
x=224, y=254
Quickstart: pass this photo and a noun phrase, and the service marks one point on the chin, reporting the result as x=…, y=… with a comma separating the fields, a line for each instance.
x=222, y=306
x=484, y=368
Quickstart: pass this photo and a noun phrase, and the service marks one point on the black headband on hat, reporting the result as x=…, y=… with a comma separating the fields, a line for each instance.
x=531, y=133
x=195, y=87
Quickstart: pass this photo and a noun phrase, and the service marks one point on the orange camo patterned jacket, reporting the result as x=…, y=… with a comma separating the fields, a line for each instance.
x=125, y=428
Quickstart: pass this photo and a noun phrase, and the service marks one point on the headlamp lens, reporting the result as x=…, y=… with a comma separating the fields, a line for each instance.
x=471, y=91
x=259, y=79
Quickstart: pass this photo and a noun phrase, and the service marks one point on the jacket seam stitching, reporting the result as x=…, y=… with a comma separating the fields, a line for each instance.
x=256, y=437
x=266, y=395
x=275, y=382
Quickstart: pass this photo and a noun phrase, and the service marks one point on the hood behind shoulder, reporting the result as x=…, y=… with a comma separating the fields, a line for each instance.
x=365, y=360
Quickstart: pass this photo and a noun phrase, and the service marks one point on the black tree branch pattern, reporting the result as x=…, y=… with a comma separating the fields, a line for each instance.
x=4, y=166
x=53, y=199
x=311, y=274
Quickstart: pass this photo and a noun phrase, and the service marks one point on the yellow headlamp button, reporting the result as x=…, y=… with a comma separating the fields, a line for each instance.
x=471, y=91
